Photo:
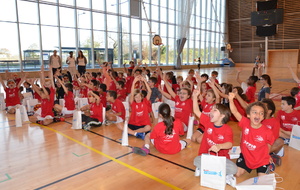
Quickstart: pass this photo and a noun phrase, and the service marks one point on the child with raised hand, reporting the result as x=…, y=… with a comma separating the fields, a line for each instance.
x=12, y=94
x=256, y=139
x=183, y=103
x=117, y=112
x=68, y=109
x=44, y=115
x=265, y=90
x=211, y=98
x=120, y=88
x=249, y=88
x=156, y=94
x=96, y=110
x=295, y=92
x=218, y=136
x=165, y=136
x=287, y=117
x=139, y=121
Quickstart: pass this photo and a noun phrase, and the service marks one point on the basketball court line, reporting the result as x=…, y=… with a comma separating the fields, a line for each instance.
x=81, y=172
x=114, y=159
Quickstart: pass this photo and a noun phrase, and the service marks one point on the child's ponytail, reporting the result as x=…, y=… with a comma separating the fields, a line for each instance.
x=165, y=111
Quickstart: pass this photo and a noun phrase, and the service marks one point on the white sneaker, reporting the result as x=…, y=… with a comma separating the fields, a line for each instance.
x=231, y=180
x=197, y=172
x=281, y=152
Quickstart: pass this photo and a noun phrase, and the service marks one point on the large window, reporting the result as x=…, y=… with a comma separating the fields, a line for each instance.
x=29, y=36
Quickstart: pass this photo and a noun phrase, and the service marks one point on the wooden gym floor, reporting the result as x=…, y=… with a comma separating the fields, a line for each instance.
x=57, y=157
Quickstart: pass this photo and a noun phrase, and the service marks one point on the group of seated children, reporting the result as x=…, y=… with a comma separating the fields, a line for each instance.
x=262, y=138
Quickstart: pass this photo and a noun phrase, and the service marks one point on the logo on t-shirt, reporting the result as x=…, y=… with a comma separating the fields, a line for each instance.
x=283, y=117
x=294, y=119
x=249, y=145
x=246, y=131
x=139, y=114
x=220, y=137
x=209, y=131
x=269, y=126
x=259, y=139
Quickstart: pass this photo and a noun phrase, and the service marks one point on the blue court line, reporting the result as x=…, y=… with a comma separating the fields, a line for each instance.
x=81, y=172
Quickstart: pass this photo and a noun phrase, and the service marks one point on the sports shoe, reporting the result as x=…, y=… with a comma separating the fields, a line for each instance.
x=287, y=141
x=40, y=122
x=141, y=151
x=30, y=113
x=58, y=119
x=281, y=152
x=271, y=168
x=231, y=180
x=140, y=135
x=86, y=127
x=276, y=159
x=197, y=172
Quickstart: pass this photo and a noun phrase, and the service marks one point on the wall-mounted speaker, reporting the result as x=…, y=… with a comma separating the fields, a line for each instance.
x=266, y=5
x=266, y=30
x=223, y=48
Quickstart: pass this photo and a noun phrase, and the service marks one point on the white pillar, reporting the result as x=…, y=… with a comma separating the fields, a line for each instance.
x=266, y=51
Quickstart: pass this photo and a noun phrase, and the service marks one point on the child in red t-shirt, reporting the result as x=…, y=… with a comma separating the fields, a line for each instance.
x=217, y=137
x=96, y=111
x=117, y=112
x=165, y=136
x=12, y=94
x=249, y=87
x=68, y=109
x=295, y=92
x=121, y=91
x=139, y=121
x=287, y=117
x=256, y=139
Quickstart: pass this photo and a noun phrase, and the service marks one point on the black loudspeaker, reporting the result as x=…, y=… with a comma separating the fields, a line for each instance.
x=223, y=48
x=266, y=30
x=269, y=17
x=266, y=5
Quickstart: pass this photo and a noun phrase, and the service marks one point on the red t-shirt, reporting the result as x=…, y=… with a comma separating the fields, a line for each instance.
x=297, y=98
x=37, y=96
x=46, y=107
x=214, y=135
x=287, y=120
x=103, y=98
x=118, y=107
x=158, y=81
x=83, y=92
x=122, y=94
x=240, y=109
x=12, y=96
x=112, y=86
x=175, y=87
x=274, y=125
x=250, y=93
x=165, y=88
x=254, y=144
x=206, y=107
x=128, y=84
x=183, y=109
x=69, y=101
x=139, y=113
x=167, y=144
x=96, y=111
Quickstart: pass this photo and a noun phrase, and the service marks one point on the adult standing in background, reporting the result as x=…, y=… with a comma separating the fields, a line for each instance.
x=55, y=62
x=71, y=62
x=81, y=61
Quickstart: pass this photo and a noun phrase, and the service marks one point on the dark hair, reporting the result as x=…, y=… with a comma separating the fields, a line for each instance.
x=27, y=83
x=252, y=80
x=103, y=87
x=138, y=70
x=153, y=79
x=96, y=92
x=270, y=105
x=112, y=93
x=240, y=93
x=227, y=87
x=214, y=73
x=223, y=110
x=148, y=73
x=267, y=78
x=95, y=83
x=144, y=93
x=94, y=74
x=295, y=91
x=165, y=111
x=289, y=100
x=205, y=75
x=121, y=83
x=260, y=104
x=47, y=89
x=69, y=86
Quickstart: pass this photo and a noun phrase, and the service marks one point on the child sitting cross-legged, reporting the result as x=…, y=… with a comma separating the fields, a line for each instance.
x=95, y=107
x=117, y=112
x=217, y=137
x=256, y=139
x=165, y=136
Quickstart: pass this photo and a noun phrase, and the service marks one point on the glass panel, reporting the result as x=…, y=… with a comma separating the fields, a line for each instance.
x=98, y=19
x=125, y=48
x=98, y=4
x=135, y=26
x=9, y=54
x=145, y=49
x=27, y=12
x=163, y=30
x=171, y=16
x=83, y=3
x=8, y=11
x=45, y=11
x=113, y=44
x=112, y=23
x=66, y=2
x=163, y=14
x=30, y=47
x=124, y=24
x=50, y=43
x=67, y=17
x=84, y=19
x=111, y=6
x=124, y=6
x=163, y=52
x=135, y=46
x=68, y=43
x=154, y=12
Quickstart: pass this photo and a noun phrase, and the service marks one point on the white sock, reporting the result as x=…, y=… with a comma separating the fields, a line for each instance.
x=135, y=133
x=147, y=146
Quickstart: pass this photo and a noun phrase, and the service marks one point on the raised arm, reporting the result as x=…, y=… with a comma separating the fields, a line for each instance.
x=295, y=77
x=214, y=88
x=132, y=89
x=62, y=85
x=169, y=88
x=22, y=79
x=149, y=91
x=238, y=76
x=165, y=94
x=233, y=109
x=98, y=100
x=2, y=83
x=196, y=109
